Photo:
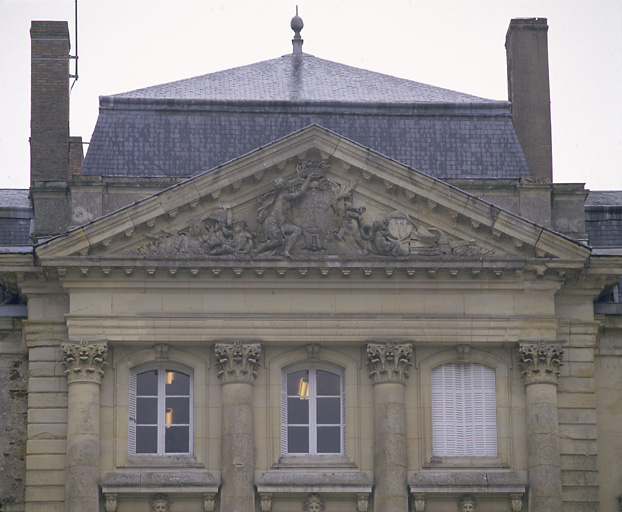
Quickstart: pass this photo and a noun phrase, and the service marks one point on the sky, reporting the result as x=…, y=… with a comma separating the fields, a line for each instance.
x=457, y=44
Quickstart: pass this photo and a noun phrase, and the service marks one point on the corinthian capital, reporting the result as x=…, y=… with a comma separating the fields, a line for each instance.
x=237, y=361
x=84, y=361
x=389, y=361
x=540, y=362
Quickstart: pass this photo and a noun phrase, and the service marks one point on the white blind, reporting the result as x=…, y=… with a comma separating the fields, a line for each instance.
x=132, y=413
x=464, y=410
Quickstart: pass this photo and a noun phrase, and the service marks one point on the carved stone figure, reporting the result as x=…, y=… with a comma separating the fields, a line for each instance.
x=227, y=235
x=209, y=502
x=467, y=504
x=272, y=215
x=265, y=501
x=313, y=503
x=418, y=502
x=516, y=500
x=111, y=502
x=159, y=503
x=362, y=502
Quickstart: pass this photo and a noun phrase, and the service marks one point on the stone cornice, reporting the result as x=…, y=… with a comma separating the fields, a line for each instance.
x=389, y=361
x=540, y=362
x=84, y=362
x=237, y=361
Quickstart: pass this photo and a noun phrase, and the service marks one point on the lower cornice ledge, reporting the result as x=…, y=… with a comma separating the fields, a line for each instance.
x=473, y=482
x=170, y=482
x=314, y=481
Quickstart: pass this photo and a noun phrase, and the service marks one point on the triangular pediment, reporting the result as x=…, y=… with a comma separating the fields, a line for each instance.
x=311, y=198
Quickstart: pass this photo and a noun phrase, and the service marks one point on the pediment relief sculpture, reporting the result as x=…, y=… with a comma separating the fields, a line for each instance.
x=309, y=215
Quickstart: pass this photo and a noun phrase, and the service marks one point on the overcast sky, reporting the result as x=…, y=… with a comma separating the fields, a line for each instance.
x=456, y=44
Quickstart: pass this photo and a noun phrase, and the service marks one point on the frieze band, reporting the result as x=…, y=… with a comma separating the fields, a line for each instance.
x=300, y=217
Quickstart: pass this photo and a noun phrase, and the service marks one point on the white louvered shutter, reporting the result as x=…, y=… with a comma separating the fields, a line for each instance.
x=283, y=411
x=464, y=410
x=131, y=435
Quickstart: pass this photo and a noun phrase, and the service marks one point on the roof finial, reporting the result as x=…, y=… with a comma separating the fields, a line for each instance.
x=297, y=25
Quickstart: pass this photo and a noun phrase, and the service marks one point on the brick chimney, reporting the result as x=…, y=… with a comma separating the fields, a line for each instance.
x=49, y=101
x=53, y=157
x=528, y=90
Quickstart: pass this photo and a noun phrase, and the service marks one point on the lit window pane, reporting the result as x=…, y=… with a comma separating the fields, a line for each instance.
x=147, y=383
x=298, y=383
x=328, y=440
x=176, y=439
x=328, y=410
x=328, y=383
x=177, y=383
x=298, y=440
x=297, y=411
x=146, y=439
x=146, y=411
x=177, y=411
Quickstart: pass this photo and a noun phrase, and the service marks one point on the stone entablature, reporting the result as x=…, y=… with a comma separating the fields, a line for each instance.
x=389, y=361
x=84, y=362
x=540, y=362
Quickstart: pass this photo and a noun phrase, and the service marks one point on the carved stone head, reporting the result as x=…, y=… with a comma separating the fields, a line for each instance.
x=313, y=503
x=159, y=503
x=467, y=504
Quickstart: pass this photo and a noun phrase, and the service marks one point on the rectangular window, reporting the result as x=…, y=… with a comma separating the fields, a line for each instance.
x=312, y=411
x=160, y=421
x=464, y=410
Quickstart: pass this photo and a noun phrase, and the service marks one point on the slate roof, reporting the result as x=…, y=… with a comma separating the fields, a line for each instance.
x=302, y=79
x=603, y=218
x=15, y=217
x=187, y=127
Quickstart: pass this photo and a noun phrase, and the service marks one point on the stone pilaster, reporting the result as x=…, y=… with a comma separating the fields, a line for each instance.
x=540, y=363
x=237, y=363
x=84, y=366
x=389, y=363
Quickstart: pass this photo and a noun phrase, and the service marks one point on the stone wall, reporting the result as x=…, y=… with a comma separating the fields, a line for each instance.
x=13, y=415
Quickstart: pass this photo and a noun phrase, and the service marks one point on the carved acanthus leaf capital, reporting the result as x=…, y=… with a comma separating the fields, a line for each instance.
x=540, y=362
x=389, y=362
x=84, y=361
x=237, y=361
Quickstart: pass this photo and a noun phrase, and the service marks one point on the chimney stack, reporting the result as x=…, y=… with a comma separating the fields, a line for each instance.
x=528, y=90
x=49, y=89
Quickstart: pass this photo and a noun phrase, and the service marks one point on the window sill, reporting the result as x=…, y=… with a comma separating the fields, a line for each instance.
x=162, y=461
x=314, y=461
x=466, y=462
